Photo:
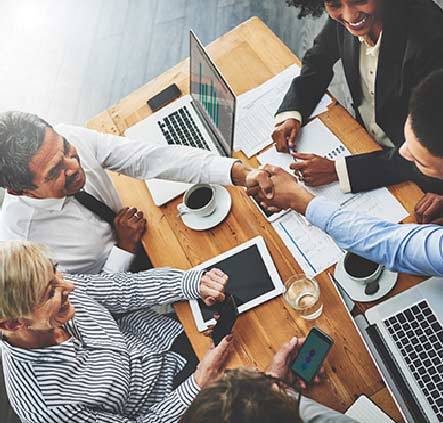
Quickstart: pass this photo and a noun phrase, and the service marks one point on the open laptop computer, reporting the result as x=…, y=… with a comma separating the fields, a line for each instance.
x=405, y=336
x=204, y=119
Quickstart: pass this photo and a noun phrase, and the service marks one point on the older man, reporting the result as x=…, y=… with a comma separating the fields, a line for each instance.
x=58, y=191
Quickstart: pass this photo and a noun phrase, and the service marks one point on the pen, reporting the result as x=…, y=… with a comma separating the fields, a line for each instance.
x=297, y=173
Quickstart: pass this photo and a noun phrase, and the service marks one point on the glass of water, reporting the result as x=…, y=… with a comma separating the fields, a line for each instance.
x=303, y=295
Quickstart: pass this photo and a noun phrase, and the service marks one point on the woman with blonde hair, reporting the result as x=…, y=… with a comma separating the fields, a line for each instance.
x=90, y=349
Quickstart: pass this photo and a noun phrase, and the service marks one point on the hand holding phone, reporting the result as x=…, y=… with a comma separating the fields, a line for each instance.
x=311, y=355
x=225, y=322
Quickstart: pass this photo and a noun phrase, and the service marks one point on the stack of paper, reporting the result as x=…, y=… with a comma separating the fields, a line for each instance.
x=256, y=108
x=365, y=411
x=313, y=249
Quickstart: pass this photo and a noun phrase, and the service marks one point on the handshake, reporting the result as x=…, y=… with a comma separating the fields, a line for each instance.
x=277, y=189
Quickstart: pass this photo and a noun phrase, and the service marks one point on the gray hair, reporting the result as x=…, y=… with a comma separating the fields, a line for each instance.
x=21, y=135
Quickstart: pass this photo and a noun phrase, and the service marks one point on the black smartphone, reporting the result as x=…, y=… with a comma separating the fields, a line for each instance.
x=225, y=323
x=164, y=97
x=311, y=355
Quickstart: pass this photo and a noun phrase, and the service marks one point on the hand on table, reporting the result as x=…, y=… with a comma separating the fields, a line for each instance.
x=130, y=225
x=283, y=358
x=288, y=193
x=315, y=169
x=429, y=209
x=285, y=134
x=212, y=287
x=211, y=366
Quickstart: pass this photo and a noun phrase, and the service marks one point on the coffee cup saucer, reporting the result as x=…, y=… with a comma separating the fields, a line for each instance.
x=356, y=290
x=223, y=203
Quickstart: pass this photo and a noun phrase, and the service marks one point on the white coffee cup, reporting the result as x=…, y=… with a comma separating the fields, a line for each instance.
x=198, y=200
x=354, y=266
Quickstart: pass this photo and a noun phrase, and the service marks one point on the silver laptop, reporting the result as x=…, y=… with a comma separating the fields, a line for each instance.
x=406, y=334
x=204, y=119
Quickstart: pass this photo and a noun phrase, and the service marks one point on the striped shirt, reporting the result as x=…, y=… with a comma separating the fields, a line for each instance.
x=117, y=366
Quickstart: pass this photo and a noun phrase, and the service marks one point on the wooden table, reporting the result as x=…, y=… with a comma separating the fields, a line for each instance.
x=249, y=55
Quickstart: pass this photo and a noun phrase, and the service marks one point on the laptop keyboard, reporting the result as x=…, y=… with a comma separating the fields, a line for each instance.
x=419, y=337
x=179, y=128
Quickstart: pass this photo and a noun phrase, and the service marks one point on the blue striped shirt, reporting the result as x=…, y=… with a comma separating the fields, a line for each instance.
x=117, y=366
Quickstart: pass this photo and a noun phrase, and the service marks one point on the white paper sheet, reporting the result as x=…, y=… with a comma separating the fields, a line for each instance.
x=314, y=250
x=365, y=411
x=255, y=111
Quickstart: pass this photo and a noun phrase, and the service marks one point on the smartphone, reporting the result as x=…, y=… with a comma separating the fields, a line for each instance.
x=225, y=323
x=164, y=97
x=311, y=355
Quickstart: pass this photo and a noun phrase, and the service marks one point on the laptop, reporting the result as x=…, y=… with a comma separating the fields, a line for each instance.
x=204, y=119
x=405, y=335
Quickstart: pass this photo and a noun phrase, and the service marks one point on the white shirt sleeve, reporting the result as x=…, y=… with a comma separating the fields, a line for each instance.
x=146, y=160
x=118, y=261
x=281, y=117
x=343, y=176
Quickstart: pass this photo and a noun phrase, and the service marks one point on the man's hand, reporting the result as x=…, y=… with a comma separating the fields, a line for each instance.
x=430, y=209
x=288, y=194
x=246, y=176
x=130, y=226
x=211, y=366
x=285, y=133
x=283, y=358
x=316, y=170
x=212, y=287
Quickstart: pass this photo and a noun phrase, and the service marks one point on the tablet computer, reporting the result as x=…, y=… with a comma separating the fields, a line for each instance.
x=252, y=280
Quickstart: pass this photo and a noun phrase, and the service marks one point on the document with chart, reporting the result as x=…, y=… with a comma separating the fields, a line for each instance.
x=255, y=110
x=314, y=250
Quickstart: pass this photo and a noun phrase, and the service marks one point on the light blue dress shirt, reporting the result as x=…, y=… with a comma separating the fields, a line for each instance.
x=415, y=249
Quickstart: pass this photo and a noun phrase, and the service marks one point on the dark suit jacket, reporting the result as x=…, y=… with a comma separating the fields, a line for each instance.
x=411, y=47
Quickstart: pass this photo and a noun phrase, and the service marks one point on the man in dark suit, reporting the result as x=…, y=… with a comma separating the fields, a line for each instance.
x=386, y=47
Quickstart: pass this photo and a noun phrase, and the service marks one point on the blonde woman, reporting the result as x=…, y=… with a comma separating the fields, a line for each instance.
x=88, y=348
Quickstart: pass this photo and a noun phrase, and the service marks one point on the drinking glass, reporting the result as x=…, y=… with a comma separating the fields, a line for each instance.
x=303, y=295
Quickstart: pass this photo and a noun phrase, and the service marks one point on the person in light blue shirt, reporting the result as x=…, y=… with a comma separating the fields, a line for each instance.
x=411, y=248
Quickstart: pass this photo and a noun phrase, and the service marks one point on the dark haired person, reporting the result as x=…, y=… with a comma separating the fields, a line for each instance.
x=386, y=47
x=44, y=168
x=414, y=249
x=248, y=396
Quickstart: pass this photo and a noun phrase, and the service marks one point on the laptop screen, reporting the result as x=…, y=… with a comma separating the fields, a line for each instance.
x=213, y=95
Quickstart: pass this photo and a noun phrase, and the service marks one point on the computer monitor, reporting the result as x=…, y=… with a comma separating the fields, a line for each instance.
x=212, y=94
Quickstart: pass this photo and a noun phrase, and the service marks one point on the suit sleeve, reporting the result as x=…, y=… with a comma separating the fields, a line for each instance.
x=378, y=169
x=316, y=73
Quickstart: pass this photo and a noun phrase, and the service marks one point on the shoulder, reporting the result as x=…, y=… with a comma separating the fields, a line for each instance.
x=424, y=21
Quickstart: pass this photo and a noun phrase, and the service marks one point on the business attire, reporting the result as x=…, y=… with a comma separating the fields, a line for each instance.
x=118, y=365
x=313, y=412
x=380, y=79
x=414, y=249
x=82, y=241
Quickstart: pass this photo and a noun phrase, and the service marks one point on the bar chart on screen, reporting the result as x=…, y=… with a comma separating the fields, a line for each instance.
x=208, y=97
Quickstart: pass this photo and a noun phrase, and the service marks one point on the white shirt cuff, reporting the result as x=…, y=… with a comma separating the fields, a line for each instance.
x=281, y=117
x=342, y=173
x=219, y=170
x=118, y=261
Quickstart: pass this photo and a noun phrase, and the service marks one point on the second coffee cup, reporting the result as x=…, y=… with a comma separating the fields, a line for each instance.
x=360, y=269
x=199, y=200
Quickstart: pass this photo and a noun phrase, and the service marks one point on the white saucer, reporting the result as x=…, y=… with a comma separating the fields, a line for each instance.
x=223, y=202
x=356, y=290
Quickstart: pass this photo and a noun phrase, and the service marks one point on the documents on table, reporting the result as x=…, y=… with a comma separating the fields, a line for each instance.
x=256, y=108
x=314, y=250
x=365, y=411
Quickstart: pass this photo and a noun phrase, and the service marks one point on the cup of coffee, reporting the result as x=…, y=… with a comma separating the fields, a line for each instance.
x=198, y=200
x=360, y=269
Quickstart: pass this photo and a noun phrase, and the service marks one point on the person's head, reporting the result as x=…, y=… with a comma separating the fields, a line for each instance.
x=243, y=396
x=33, y=295
x=358, y=16
x=424, y=126
x=35, y=160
